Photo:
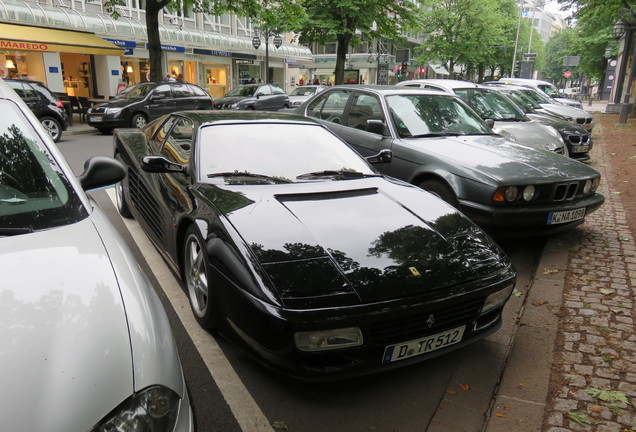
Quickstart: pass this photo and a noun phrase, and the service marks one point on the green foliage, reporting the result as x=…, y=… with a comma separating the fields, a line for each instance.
x=610, y=396
x=581, y=418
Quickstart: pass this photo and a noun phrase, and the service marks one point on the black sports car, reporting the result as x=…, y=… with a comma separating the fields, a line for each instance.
x=292, y=245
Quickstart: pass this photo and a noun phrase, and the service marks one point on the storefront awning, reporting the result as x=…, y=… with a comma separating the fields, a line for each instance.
x=27, y=38
x=439, y=69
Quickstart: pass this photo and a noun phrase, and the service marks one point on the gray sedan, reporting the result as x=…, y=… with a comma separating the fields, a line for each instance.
x=85, y=344
x=439, y=143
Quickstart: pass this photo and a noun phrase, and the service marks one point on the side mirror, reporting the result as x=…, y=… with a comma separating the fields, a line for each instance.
x=375, y=126
x=101, y=171
x=258, y=95
x=385, y=156
x=159, y=164
x=490, y=123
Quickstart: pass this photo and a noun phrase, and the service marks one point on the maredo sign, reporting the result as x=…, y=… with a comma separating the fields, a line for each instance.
x=29, y=46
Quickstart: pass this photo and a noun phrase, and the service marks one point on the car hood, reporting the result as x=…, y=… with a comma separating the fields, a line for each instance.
x=560, y=125
x=118, y=103
x=231, y=99
x=494, y=158
x=566, y=111
x=530, y=133
x=364, y=240
x=65, y=356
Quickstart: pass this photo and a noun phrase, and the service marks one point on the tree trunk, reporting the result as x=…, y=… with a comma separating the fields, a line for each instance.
x=153, y=8
x=341, y=57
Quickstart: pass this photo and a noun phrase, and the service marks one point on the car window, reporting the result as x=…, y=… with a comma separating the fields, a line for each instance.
x=417, y=115
x=329, y=106
x=181, y=90
x=277, y=90
x=198, y=90
x=281, y=151
x=303, y=91
x=32, y=93
x=34, y=192
x=178, y=144
x=40, y=89
x=364, y=107
x=490, y=104
x=136, y=91
x=162, y=91
x=18, y=87
x=412, y=85
x=264, y=90
x=243, y=91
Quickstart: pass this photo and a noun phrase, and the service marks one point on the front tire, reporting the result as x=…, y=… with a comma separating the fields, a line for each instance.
x=196, y=275
x=138, y=120
x=53, y=127
x=440, y=190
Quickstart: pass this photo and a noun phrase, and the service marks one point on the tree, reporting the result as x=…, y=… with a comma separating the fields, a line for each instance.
x=469, y=32
x=344, y=20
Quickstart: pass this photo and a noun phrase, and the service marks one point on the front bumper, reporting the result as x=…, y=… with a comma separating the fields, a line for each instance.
x=105, y=121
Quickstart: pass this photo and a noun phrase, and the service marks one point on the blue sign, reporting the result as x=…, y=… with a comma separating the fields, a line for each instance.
x=54, y=69
x=122, y=43
x=128, y=51
x=114, y=72
x=223, y=53
x=171, y=48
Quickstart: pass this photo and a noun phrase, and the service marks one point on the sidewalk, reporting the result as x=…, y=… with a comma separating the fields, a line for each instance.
x=576, y=342
x=79, y=128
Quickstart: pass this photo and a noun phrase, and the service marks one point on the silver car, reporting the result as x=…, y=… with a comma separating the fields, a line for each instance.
x=85, y=344
x=302, y=93
x=509, y=120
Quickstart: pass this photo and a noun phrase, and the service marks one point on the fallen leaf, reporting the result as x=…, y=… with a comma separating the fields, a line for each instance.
x=517, y=293
x=617, y=193
x=580, y=418
x=453, y=392
x=500, y=414
x=280, y=425
x=521, y=385
x=608, y=395
x=465, y=387
x=507, y=408
x=588, y=278
x=550, y=271
x=596, y=409
x=540, y=303
x=606, y=291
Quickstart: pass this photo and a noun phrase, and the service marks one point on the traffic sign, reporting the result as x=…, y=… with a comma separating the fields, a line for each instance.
x=567, y=74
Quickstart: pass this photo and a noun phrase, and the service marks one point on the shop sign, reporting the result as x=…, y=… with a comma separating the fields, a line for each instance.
x=122, y=43
x=114, y=72
x=239, y=61
x=29, y=46
x=289, y=60
x=171, y=48
x=128, y=51
x=54, y=69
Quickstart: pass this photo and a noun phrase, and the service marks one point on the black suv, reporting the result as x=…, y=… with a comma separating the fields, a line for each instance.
x=141, y=103
x=46, y=106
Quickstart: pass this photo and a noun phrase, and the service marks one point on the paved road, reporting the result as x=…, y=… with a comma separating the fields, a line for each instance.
x=233, y=393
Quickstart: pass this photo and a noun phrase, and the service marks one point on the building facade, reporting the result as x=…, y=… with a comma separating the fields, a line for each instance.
x=76, y=48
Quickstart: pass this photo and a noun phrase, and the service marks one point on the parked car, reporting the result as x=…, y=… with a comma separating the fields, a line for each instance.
x=141, y=103
x=440, y=144
x=545, y=87
x=264, y=97
x=86, y=344
x=549, y=105
x=578, y=141
x=301, y=93
x=508, y=119
x=46, y=106
x=290, y=244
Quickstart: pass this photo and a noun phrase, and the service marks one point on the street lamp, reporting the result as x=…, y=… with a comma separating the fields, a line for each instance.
x=256, y=43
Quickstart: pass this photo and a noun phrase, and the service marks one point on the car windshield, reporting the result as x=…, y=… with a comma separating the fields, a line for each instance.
x=417, y=115
x=34, y=193
x=138, y=91
x=262, y=153
x=303, y=91
x=523, y=101
x=243, y=91
x=536, y=96
x=490, y=104
x=549, y=89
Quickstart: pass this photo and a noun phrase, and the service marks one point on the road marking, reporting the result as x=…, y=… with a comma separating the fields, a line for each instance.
x=245, y=409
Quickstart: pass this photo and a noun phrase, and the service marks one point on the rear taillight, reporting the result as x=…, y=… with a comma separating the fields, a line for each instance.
x=59, y=104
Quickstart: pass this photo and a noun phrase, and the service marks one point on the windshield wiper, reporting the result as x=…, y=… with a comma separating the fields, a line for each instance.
x=248, y=174
x=332, y=173
x=15, y=231
x=435, y=134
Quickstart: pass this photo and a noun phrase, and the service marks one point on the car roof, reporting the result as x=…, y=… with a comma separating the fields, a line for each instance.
x=388, y=89
x=225, y=116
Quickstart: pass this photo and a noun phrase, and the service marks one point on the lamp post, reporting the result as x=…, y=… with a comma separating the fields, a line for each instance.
x=256, y=43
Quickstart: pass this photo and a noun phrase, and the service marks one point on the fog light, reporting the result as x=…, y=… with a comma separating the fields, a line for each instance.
x=528, y=193
x=323, y=340
x=497, y=299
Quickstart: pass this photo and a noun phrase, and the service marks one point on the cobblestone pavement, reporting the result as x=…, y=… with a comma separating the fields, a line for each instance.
x=593, y=379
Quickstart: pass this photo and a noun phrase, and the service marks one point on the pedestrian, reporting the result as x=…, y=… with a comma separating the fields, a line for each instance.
x=172, y=77
x=180, y=77
x=316, y=81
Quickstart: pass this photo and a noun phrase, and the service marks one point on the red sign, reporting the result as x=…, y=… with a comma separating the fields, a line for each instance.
x=567, y=74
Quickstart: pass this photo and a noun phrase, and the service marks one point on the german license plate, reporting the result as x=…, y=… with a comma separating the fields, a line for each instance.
x=95, y=119
x=566, y=216
x=580, y=149
x=423, y=345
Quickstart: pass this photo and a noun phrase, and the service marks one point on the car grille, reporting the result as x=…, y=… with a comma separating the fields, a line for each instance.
x=405, y=328
x=98, y=110
x=578, y=139
x=142, y=200
x=565, y=191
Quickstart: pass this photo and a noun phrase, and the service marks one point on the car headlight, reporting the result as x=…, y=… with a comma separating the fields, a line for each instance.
x=528, y=193
x=323, y=340
x=236, y=105
x=506, y=193
x=497, y=299
x=587, y=187
x=595, y=183
x=154, y=409
x=112, y=110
